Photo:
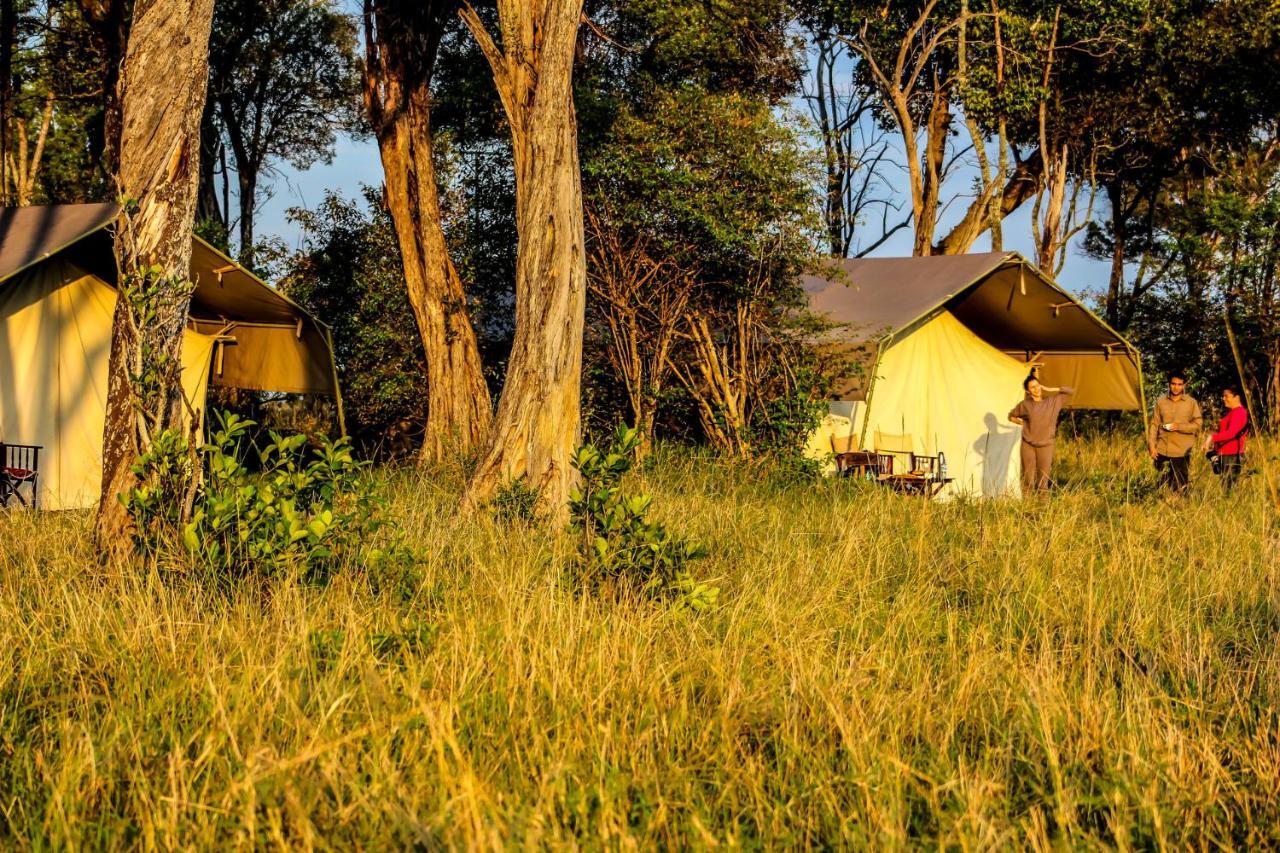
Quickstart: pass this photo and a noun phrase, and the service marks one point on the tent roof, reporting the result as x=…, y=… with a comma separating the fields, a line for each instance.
x=224, y=289
x=999, y=295
x=28, y=235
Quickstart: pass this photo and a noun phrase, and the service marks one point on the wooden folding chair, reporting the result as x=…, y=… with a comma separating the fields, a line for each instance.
x=895, y=446
x=19, y=466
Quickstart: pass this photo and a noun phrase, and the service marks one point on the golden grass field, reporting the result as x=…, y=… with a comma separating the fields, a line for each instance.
x=1099, y=669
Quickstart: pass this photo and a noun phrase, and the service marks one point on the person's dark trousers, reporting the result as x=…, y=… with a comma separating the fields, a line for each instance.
x=1176, y=471
x=1229, y=469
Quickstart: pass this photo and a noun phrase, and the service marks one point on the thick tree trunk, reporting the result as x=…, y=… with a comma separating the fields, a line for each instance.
x=937, y=129
x=162, y=93
x=537, y=424
x=458, y=406
x=980, y=216
x=401, y=45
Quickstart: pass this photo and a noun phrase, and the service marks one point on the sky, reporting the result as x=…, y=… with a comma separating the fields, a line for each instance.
x=356, y=163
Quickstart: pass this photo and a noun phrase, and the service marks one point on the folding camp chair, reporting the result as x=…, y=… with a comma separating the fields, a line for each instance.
x=894, y=446
x=19, y=466
x=851, y=462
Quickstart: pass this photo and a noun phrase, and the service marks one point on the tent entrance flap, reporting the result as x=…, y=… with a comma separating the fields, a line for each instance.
x=271, y=357
x=950, y=391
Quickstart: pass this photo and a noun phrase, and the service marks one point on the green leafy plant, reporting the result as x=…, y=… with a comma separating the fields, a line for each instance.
x=617, y=542
x=306, y=510
x=515, y=500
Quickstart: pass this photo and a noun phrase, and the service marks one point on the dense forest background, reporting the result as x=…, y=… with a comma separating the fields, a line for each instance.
x=725, y=145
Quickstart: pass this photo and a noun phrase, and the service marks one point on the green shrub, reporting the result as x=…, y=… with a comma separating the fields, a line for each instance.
x=515, y=500
x=305, y=511
x=616, y=540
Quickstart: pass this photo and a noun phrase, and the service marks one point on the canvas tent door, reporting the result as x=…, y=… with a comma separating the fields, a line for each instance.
x=55, y=346
x=951, y=391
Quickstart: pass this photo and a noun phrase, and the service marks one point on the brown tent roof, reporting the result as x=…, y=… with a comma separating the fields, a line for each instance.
x=28, y=235
x=999, y=295
x=224, y=289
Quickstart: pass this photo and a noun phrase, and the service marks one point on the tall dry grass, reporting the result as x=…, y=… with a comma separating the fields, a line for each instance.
x=1098, y=669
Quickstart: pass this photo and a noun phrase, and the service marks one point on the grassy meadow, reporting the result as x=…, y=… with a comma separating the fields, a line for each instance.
x=1099, y=669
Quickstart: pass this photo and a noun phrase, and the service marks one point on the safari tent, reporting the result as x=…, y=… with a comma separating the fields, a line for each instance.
x=935, y=349
x=57, y=296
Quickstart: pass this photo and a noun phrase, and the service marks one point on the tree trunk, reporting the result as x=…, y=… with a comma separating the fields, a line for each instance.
x=458, y=406
x=207, y=207
x=162, y=93
x=1115, y=284
x=247, y=185
x=8, y=37
x=937, y=129
x=401, y=45
x=537, y=424
x=1052, y=227
x=1021, y=185
x=109, y=22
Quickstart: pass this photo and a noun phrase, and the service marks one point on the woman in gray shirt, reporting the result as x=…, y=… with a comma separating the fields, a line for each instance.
x=1038, y=414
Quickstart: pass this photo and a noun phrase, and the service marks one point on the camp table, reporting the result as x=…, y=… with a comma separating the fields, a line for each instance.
x=915, y=484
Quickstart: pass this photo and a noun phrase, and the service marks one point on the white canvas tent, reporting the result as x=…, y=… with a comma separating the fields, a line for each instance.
x=57, y=297
x=936, y=348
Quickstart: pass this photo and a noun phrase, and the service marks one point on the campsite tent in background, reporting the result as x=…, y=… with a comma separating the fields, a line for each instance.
x=57, y=297
x=937, y=348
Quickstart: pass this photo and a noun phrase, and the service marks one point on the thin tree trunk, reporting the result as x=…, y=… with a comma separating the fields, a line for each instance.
x=162, y=93
x=247, y=180
x=538, y=419
x=8, y=37
x=207, y=207
x=1115, y=283
x=24, y=168
x=401, y=45
x=1052, y=227
x=937, y=129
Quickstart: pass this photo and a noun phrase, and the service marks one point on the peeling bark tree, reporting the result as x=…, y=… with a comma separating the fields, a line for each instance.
x=402, y=39
x=161, y=98
x=537, y=424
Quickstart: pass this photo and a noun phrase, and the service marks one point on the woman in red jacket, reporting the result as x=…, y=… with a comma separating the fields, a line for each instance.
x=1228, y=441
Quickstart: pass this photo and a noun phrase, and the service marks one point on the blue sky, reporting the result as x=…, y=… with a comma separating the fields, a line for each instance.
x=356, y=163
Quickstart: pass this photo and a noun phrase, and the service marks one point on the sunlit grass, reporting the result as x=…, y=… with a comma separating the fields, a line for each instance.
x=1098, y=668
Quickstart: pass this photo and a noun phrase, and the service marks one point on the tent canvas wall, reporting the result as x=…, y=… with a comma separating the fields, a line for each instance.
x=56, y=304
x=937, y=348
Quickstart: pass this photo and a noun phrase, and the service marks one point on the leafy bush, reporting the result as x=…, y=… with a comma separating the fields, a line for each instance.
x=306, y=511
x=515, y=500
x=617, y=541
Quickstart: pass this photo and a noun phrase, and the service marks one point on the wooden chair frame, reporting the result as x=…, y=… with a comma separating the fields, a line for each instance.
x=19, y=466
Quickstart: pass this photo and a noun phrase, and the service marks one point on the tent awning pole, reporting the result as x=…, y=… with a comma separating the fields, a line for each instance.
x=881, y=346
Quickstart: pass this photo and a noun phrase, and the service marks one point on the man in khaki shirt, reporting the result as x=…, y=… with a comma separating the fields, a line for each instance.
x=1171, y=436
